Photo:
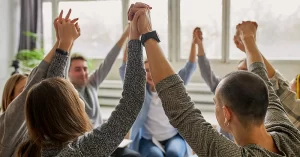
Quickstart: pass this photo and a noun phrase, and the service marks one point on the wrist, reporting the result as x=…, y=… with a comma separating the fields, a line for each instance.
x=134, y=37
x=150, y=42
x=199, y=43
x=248, y=40
x=64, y=45
x=146, y=31
x=247, y=37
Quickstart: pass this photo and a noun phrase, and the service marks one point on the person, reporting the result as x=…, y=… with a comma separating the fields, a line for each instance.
x=13, y=87
x=246, y=104
x=152, y=124
x=88, y=86
x=69, y=132
x=288, y=99
x=13, y=130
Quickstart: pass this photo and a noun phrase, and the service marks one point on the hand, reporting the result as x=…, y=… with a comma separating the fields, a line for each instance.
x=67, y=31
x=59, y=19
x=246, y=29
x=197, y=36
x=238, y=43
x=139, y=15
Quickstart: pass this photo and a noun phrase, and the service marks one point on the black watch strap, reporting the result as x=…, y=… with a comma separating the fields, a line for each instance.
x=62, y=52
x=149, y=35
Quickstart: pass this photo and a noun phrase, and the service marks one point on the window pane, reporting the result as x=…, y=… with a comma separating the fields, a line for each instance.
x=278, y=35
x=100, y=27
x=207, y=15
x=159, y=19
x=47, y=26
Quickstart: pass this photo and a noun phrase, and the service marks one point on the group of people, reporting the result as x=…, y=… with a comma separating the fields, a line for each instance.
x=45, y=114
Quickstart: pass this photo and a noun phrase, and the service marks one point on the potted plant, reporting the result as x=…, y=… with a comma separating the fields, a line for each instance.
x=30, y=58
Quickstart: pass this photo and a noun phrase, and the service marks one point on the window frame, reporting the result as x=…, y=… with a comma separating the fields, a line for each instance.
x=174, y=45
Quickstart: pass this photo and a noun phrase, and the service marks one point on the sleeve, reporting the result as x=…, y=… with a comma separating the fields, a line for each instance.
x=287, y=97
x=187, y=71
x=200, y=135
x=103, y=140
x=207, y=74
x=12, y=122
x=122, y=71
x=276, y=114
x=100, y=74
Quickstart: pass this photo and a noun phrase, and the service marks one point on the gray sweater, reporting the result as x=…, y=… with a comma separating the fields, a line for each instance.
x=89, y=93
x=103, y=140
x=12, y=122
x=206, y=141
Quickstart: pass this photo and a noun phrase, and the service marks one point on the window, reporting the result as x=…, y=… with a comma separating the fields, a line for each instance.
x=47, y=26
x=159, y=17
x=278, y=34
x=101, y=28
x=101, y=22
x=208, y=17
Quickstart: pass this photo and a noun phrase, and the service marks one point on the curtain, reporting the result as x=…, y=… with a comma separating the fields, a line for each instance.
x=31, y=21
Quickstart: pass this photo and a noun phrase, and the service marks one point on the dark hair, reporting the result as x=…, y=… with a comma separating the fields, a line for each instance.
x=246, y=94
x=77, y=56
x=53, y=110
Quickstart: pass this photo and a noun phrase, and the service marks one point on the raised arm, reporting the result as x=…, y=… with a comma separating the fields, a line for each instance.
x=103, y=140
x=205, y=70
x=12, y=123
x=187, y=71
x=123, y=66
x=100, y=74
x=275, y=113
x=179, y=108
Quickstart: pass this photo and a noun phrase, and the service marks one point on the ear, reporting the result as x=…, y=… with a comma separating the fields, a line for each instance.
x=227, y=114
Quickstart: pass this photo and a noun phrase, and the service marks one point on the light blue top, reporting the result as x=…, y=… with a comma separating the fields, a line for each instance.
x=137, y=129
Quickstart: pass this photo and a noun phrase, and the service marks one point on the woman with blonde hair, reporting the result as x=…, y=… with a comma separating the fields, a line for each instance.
x=13, y=87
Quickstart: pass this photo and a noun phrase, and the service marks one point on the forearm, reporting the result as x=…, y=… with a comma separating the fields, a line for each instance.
x=199, y=134
x=270, y=68
x=192, y=57
x=159, y=66
x=100, y=74
x=252, y=52
x=207, y=74
x=58, y=65
x=51, y=54
x=125, y=54
x=200, y=49
x=127, y=110
x=122, y=40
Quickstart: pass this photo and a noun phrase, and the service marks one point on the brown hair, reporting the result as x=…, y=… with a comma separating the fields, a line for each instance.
x=77, y=56
x=9, y=89
x=54, y=114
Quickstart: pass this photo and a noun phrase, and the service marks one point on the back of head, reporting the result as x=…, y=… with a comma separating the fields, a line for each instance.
x=54, y=113
x=246, y=94
x=8, y=92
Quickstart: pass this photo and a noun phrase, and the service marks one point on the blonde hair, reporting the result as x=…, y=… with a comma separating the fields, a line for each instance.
x=298, y=86
x=9, y=88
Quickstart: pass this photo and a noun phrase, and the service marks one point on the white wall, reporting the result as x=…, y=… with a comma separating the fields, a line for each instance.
x=9, y=26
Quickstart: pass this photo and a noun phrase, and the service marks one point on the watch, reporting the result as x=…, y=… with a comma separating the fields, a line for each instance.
x=62, y=52
x=149, y=35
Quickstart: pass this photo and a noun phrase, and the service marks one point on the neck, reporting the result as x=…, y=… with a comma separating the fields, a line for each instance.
x=254, y=135
x=152, y=88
